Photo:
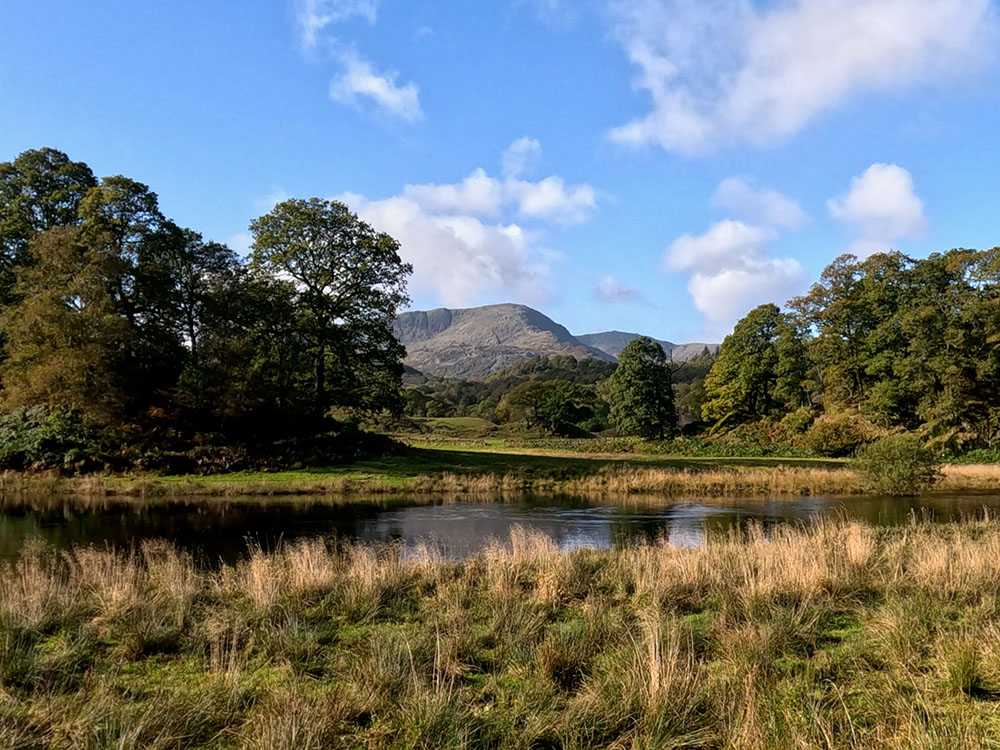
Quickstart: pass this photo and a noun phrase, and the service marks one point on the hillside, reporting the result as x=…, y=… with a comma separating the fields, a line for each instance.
x=612, y=342
x=480, y=341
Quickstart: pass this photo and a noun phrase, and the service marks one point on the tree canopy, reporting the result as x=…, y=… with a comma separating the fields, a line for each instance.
x=640, y=392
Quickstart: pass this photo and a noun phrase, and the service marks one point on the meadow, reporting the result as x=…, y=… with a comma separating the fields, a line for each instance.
x=833, y=636
x=499, y=470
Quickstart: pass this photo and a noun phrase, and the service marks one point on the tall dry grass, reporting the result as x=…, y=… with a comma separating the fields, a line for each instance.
x=778, y=481
x=834, y=636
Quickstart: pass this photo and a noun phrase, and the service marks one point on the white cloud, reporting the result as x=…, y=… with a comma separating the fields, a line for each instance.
x=521, y=157
x=464, y=239
x=760, y=205
x=478, y=194
x=458, y=258
x=265, y=203
x=731, y=272
x=314, y=16
x=549, y=199
x=611, y=291
x=240, y=242
x=734, y=71
x=555, y=12
x=359, y=80
x=882, y=206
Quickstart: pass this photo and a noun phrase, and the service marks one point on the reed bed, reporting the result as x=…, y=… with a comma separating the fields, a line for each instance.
x=780, y=481
x=833, y=636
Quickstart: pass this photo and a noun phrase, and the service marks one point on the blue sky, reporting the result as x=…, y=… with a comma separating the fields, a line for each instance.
x=651, y=165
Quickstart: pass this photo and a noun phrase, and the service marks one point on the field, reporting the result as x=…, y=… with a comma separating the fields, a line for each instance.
x=495, y=469
x=840, y=636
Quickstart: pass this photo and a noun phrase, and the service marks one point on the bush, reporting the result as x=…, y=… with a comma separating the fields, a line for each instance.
x=839, y=434
x=897, y=465
x=798, y=421
x=40, y=438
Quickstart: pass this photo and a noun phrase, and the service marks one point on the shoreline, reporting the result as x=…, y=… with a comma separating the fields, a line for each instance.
x=603, y=477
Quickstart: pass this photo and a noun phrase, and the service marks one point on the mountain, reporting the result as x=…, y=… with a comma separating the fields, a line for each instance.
x=479, y=341
x=612, y=342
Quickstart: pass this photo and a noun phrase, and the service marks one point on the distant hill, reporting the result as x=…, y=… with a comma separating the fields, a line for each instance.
x=612, y=342
x=479, y=341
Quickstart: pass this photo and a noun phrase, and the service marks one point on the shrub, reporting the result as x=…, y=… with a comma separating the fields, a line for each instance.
x=840, y=433
x=799, y=421
x=897, y=465
x=40, y=438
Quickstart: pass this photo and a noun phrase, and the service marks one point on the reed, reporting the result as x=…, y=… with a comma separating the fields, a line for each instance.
x=837, y=636
x=601, y=480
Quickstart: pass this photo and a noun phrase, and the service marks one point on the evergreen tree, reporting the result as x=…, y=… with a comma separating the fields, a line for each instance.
x=640, y=392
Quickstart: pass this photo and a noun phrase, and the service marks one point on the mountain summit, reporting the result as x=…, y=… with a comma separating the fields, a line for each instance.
x=478, y=341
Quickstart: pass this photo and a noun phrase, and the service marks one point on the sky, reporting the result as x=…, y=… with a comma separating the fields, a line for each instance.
x=657, y=166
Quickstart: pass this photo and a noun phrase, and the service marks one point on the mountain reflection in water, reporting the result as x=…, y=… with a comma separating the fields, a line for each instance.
x=223, y=529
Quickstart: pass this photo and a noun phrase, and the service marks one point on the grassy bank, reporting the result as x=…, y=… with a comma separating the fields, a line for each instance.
x=835, y=637
x=493, y=471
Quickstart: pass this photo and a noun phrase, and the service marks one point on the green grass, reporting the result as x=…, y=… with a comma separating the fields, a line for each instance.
x=497, y=459
x=840, y=636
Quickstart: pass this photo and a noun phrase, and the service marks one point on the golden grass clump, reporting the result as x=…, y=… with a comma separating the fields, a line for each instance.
x=837, y=635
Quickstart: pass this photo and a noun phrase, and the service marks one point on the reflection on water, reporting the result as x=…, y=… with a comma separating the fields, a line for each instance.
x=222, y=529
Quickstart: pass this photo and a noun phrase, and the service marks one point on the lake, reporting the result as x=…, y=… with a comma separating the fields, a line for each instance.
x=217, y=529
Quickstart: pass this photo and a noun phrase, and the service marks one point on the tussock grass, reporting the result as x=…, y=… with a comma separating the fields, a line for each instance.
x=834, y=636
x=484, y=473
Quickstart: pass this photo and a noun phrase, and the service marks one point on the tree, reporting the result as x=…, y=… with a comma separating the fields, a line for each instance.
x=39, y=190
x=348, y=283
x=550, y=404
x=761, y=368
x=640, y=392
x=65, y=338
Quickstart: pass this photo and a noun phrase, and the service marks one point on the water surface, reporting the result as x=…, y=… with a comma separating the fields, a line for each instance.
x=217, y=529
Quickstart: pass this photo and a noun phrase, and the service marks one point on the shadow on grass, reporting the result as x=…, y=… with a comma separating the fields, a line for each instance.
x=436, y=461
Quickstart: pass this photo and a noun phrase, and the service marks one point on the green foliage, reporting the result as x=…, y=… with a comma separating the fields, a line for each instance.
x=40, y=438
x=839, y=433
x=640, y=392
x=761, y=369
x=147, y=329
x=347, y=282
x=897, y=465
x=553, y=405
x=39, y=190
x=798, y=421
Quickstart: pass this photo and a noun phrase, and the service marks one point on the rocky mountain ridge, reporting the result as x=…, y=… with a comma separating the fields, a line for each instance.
x=479, y=341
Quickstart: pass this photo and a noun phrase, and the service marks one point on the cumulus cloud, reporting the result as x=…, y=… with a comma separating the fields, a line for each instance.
x=731, y=272
x=549, y=199
x=741, y=198
x=611, y=291
x=458, y=258
x=737, y=71
x=360, y=81
x=521, y=157
x=314, y=16
x=881, y=206
x=464, y=239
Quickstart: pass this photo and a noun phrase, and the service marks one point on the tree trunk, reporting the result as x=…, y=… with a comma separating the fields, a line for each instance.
x=319, y=406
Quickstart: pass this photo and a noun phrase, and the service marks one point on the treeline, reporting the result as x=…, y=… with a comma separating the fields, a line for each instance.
x=884, y=344
x=558, y=394
x=129, y=341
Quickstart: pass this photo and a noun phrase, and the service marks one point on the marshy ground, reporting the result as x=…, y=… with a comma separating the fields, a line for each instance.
x=501, y=470
x=833, y=636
